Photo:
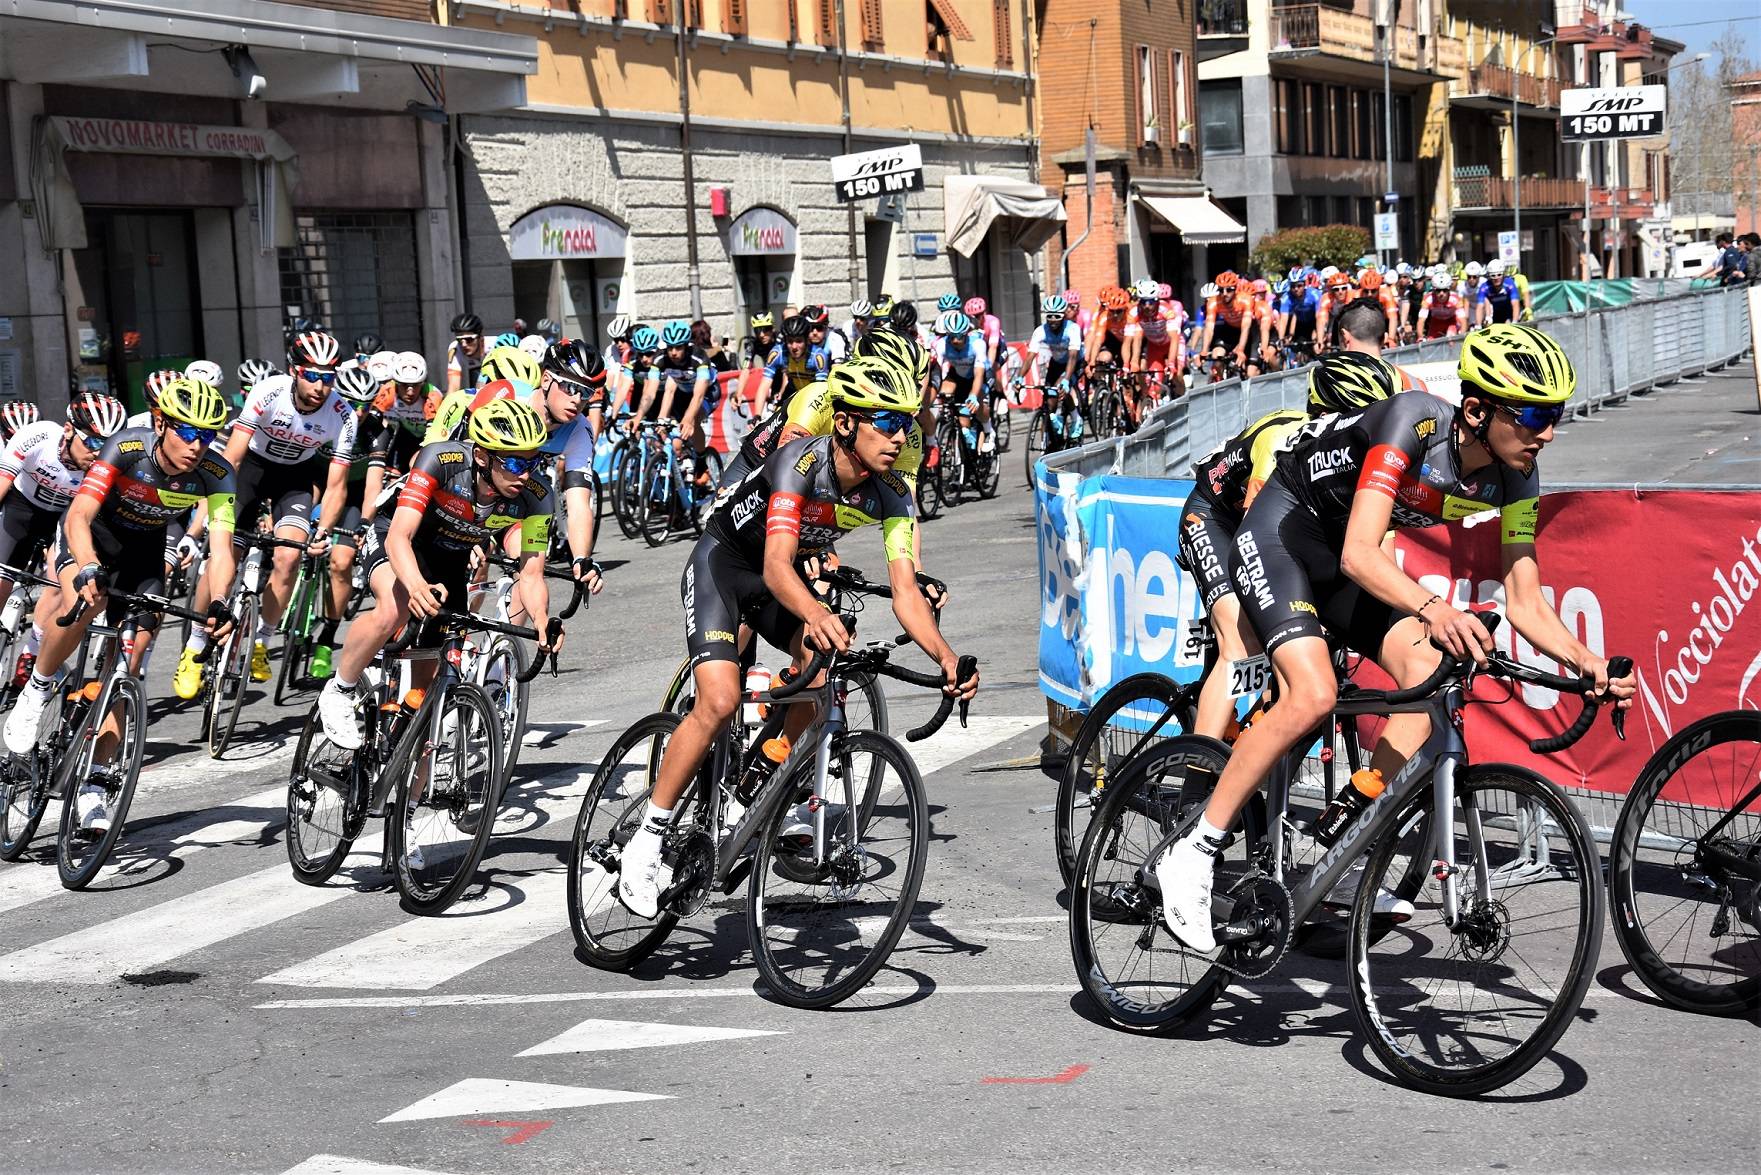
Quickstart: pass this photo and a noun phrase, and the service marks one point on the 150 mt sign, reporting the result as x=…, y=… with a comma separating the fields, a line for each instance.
x=872, y=174
x=1623, y=112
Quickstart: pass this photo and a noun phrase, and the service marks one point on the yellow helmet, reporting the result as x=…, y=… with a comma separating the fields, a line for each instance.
x=509, y=363
x=507, y=426
x=873, y=385
x=1518, y=363
x=190, y=401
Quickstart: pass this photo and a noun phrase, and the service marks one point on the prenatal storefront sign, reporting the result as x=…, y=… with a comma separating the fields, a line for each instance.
x=761, y=232
x=565, y=232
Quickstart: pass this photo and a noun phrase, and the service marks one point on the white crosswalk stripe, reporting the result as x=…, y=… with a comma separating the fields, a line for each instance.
x=343, y=1165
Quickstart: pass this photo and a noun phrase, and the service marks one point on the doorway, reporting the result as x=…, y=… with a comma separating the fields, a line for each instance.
x=133, y=305
x=580, y=295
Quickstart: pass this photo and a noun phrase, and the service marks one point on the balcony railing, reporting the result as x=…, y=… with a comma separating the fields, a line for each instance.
x=1312, y=27
x=1498, y=81
x=1475, y=188
x=1222, y=18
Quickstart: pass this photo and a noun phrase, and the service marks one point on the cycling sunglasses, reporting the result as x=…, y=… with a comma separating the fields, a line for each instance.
x=1535, y=417
x=888, y=421
x=91, y=441
x=566, y=385
x=312, y=375
x=190, y=434
x=518, y=466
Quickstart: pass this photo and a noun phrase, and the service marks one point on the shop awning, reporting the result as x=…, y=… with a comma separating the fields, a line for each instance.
x=1198, y=219
x=974, y=205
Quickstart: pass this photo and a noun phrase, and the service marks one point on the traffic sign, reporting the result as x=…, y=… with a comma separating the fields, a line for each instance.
x=891, y=208
x=924, y=245
x=1611, y=112
x=1387, y=231
x=867, y=174
x=1507, y=250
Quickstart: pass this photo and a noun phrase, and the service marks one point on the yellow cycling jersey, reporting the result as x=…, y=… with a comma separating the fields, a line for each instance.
x=811, y=409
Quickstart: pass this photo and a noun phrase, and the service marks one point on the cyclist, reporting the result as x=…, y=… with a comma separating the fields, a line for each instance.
x=681, y=373
x=639, y=360
x=1229, y=318
x=960, y=353
x=464, y=355
x=356, y=385
x=483, y=492
x=1469, y=287
x=1225, y=483
x=1441, y=313
x=879, y=358
x=1498, y=300
x=45, y=463
x=808, y=494
x=757, y=347
x=113, y=535
x=616, y=356
x=548, y=330
x=252, y=372
x=1525, y=305
x=1105, y=340
x=21, y=414
x=1336, y=295
x=293, y=428
x=793, y=364
x=1297, y=313
x=367, y=344
x=821, y=335
x=1310, y=552
x=1150, y=330
x=1054, y=353
x=1371, y=286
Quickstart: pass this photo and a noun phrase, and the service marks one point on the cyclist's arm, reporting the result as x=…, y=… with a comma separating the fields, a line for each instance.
x=218, y=508
x=650, y=392
x=699, y=391
x=336, y=483
x=76, y=526
x=531, y=589
x=915, y=615
x=400, y=546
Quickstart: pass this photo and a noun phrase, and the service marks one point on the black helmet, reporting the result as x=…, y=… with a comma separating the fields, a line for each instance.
x=368, y=343
x=903, y=318
x=795, y=327
x=466, y=324
x=575, y=361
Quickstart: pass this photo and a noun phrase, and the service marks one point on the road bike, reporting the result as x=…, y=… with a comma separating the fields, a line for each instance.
x=430, y=768
x=15, y=624
x=831, y=842
x=1498, y=862
x=1057, y=424
x=227, y=675
x=300, y=625
x=1106, y=401
x=678, y=490
x=496, y=667
x=108, y=707
x=1684, y=868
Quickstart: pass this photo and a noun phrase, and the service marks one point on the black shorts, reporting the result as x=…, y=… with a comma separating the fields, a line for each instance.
x=964, y=385
x=721, y=591
x=287, y=491
x=1287, y=577
x=1206, y=542
x=1056, y=369
x=450, y=570
x=25, y=530
x=134, y=562
x=1226, y=335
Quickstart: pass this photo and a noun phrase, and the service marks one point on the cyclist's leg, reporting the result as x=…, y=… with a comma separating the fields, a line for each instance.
x=1205, y=546
x=374, y=628
x=343, y=553
x=293, y=521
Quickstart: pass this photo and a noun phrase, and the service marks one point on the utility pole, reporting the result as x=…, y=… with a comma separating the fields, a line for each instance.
x=850, y=208
x=693, y=276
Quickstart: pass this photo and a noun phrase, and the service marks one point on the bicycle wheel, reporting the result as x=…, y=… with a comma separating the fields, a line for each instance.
x=1459, y=1008
x=1131, y=967
x=505, y=659
x=658, y=503
x=1001, y=421
x=607, y=934
x=297, y=643
x=439, y=836
x=326, y=804
x=78, y=854
x=1683, y=868
x=627, y=492
x=230, y=678
x=1039, y=440
x=702, y=498
x=987, y=473
x=822, y=923
x=24, y=796
x=1134, y=713
x=930, y=493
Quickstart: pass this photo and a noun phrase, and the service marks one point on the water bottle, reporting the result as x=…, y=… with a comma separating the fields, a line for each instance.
x=1357, y=795
x=14, y=609
x=757, y=679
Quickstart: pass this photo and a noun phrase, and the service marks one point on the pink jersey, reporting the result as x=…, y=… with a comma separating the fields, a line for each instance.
x=992, y=330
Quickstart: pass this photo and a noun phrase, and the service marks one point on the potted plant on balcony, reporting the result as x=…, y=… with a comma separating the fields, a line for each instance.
x=1152, y=131
x=1184, y=130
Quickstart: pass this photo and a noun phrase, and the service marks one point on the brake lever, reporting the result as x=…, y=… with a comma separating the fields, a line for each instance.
x=1619, y=667
x=963, y=669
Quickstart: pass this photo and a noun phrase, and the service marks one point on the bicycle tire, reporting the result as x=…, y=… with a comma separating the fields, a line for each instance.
x=1143, y=691
x=24, y=797
x=235, y=663
x=508, y=695
x=1099, y=901
x=658, y=504
x=627, y=482
x=1038, y=442
x=77, y=872
x=702, y=501
x=316, y=863
x=1001, y=421
x=769, y=866
x=930, y=497
x=595, y=947
x=1628, y=864
x=421, y=896
x=988, y=472
x=1483, y=925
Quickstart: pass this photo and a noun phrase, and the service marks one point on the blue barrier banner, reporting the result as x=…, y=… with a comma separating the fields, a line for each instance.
x=1113, y=602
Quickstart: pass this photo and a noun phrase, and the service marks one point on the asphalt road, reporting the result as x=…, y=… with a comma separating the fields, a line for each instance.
x=199, y=1011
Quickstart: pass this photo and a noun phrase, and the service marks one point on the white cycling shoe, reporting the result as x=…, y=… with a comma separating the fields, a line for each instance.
x=27, y=715
x=1185, y=875
x=639, y=874
x=336, y=710
x=1388, y=905
x=92, y=806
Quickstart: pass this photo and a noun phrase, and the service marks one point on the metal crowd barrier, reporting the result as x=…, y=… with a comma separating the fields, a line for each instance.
x=1617, y=350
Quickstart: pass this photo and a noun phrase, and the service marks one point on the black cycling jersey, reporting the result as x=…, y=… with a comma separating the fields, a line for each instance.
x=796, y=492
x=442, y=487
x=1222, y=475
x=1403, y=447
x=134, y=494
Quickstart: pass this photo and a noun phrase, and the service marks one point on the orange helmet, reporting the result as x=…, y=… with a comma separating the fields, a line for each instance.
x=1371, y=280
x=1339, y=281
x=1114, y=298
x=1227, y=280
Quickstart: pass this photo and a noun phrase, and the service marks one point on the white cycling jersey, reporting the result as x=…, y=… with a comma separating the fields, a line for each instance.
x=281, y=434
x=33, y=462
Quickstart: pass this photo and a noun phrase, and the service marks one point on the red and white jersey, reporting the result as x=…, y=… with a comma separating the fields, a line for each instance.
x=283, y=435
x=1155, y=325
x=33, y=461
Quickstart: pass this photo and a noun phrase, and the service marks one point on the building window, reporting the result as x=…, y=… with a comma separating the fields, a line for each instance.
x=1360, y=109
x=1339, y=119
x=940, y=42
x=1378, y=127
x=1403, y=130
x=871, y=26
x=1005, y=38
x=1182, y=96
x=355, y=271
x=1287, y=112
x=1146, y=88
x=734, y=17
x=1219, y=115
x=1314, y=119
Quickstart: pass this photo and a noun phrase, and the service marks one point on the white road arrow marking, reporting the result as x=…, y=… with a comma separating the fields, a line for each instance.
x=343, y=1165
x=593, y=1036
x=481, y=1095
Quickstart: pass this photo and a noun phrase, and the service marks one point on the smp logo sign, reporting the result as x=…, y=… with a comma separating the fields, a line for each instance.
x=1619, y=112
x=1113, y=600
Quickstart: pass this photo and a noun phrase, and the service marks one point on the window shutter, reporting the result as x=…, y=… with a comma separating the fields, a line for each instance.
x=826, y=26
x=660, y=12
x=1005, y=39
x=951, y=17
x=734, y=17
x=693, y=14
x=794, y=20
x=871, y=26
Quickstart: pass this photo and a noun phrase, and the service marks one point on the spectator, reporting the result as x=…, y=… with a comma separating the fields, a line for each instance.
x=1751, y=259
x=705, y=341
x=1730, y=258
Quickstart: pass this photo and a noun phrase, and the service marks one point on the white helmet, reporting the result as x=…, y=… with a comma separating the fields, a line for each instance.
x=1442, y=281
x=535, y=346
x=1475, y=269
x=379, y=365
x=618, y=328
x=1495, y=268
x=1209, y=290
x=1329, y=271
x=205, y=370
x=408, y=367
x=1146, y=289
